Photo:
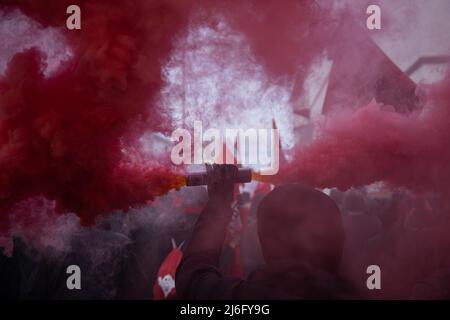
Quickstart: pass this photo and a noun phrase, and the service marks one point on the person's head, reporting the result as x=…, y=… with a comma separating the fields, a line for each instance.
x=299, y=223
x=354, y=202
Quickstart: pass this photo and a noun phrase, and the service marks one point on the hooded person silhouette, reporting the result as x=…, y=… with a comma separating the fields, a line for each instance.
x=301, y=235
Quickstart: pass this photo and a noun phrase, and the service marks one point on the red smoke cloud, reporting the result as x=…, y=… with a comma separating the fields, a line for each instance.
x=373, y=144
x=62, y=137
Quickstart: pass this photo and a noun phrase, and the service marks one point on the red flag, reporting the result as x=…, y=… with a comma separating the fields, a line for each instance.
x=164, y=287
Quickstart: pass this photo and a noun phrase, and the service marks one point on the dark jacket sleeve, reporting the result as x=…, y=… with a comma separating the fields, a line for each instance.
x=198, y=276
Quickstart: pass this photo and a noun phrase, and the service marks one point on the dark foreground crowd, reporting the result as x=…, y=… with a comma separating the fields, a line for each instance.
x=298, y=243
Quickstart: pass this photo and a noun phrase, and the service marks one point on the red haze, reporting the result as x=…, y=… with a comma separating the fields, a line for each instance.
x=62, y=136
x=373, y=144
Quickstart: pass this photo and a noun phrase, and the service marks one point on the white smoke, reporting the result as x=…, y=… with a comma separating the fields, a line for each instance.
x=19, y=32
